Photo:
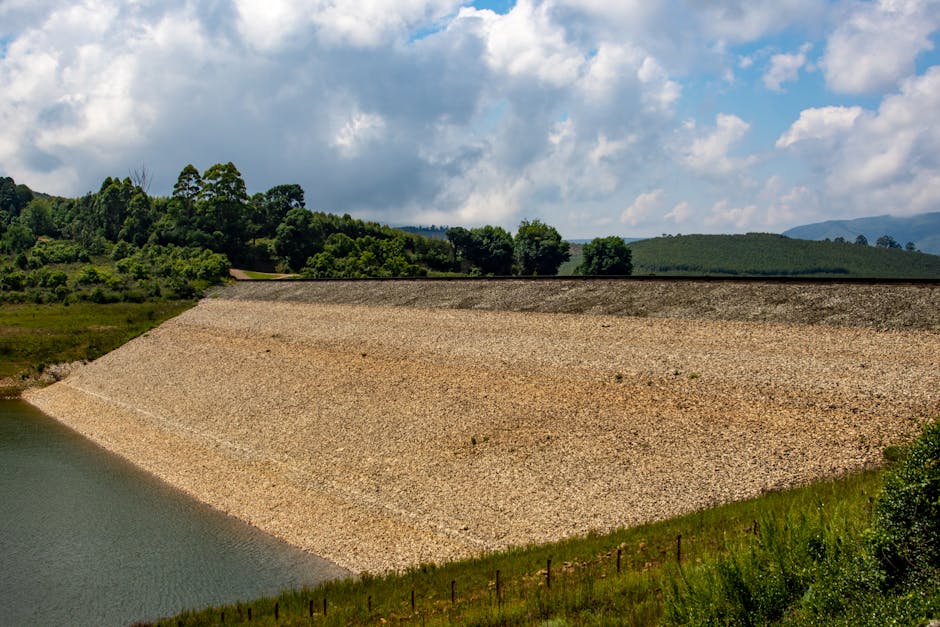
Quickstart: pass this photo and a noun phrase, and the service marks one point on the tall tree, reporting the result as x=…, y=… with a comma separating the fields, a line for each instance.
x=606, y=256
x=221, y=208
x=539, y=249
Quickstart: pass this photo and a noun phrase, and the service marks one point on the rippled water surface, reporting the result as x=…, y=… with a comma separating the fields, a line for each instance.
x=88, y=539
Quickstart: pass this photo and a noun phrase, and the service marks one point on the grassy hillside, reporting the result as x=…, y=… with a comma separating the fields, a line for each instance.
x=762, y=254
x=34, y=336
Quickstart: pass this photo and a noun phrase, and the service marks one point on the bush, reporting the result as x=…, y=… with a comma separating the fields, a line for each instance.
x=905, y=534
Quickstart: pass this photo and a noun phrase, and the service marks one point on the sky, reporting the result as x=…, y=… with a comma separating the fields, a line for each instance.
x=599, y=117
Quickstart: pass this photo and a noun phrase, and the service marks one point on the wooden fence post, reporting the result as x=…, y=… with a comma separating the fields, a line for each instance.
x=619, y=551
x=453, y=593
x=548, y=573
x=679, y=549
x=412, y=601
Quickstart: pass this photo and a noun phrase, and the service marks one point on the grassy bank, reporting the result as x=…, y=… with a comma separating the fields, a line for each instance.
x=697, y=569
x=35, y=336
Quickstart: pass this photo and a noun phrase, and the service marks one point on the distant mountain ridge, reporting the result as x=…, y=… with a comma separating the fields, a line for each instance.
x=922, y=229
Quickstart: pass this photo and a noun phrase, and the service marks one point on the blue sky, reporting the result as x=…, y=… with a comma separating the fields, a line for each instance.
x=630, y=118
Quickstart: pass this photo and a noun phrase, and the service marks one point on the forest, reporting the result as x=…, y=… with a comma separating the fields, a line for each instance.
x=122, y=244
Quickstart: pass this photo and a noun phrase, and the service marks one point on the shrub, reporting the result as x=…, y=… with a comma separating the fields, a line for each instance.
x=905, y=534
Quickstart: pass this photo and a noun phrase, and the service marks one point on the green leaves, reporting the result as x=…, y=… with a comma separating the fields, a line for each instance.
x=539, y=249
x=606, y=256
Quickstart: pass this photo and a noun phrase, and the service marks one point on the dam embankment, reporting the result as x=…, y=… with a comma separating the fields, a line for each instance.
x=384, y=424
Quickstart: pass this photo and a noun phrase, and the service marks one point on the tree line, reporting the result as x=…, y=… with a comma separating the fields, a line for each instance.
x=885, y=241
x=190, y=239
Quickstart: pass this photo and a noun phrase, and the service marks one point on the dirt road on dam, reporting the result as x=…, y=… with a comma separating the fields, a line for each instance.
x=382, y=436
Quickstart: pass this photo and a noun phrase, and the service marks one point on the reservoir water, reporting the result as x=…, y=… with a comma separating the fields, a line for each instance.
x=88, y=539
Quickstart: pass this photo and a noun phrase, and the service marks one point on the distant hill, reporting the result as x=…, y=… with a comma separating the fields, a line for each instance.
x=763, y=254
x=922, y=229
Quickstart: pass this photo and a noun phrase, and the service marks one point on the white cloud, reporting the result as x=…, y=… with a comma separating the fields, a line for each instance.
x=357, y=132
x=885, y=161
x=681, y=213
x=819, y=124
x=877, y=42
x=644, y=207
x=785, y=68
x=725, y=216
x=527, y=42
x=708, y=152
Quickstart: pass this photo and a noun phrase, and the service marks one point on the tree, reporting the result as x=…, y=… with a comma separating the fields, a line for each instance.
x=188, y=184
x=886, y=241
x=910, y=247
x=839, y=240
x=606, y=256
x=539, y=249
x=38, y=217
x=489, y=249
x=221, y=208
x=861, y=240
x=268, y=210
x=298, y=237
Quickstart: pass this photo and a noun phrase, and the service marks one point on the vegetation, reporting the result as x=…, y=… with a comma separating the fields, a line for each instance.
x=922, y=231
x=606, y=256
x=818, y=554
x=33, y=337
x=761, y=254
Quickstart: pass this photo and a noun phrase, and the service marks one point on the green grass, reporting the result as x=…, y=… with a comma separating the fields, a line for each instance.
x=586, y=587
x=264, y=276
x=761, y=254
x=33, y=336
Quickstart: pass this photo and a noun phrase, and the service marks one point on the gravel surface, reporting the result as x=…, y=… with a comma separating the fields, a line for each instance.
x=383, y=436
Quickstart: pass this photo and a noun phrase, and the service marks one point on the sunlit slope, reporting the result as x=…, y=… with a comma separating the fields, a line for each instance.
x=762, y=254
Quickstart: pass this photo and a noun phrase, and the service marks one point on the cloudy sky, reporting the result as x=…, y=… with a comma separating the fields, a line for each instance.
x=628, y=117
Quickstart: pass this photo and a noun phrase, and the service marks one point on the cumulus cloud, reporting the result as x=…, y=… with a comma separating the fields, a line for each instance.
x=681, y=213
x=877, y=43
x=884, y=161
x=785, y=68
x=820, y=124
x=433, y=110
x=644, y=207
x=708, y=152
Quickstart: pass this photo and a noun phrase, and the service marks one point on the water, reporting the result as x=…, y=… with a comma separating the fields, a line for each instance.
x=88, y=539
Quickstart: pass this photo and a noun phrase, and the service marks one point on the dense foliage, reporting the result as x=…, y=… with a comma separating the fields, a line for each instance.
x=830, y=569
x=140, y=246
x=606, y=256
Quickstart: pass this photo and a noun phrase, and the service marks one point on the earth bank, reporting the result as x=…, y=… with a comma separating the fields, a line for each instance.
x=384, y=424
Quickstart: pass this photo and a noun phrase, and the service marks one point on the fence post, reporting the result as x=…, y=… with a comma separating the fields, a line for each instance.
x=679, y=549
x=276, y=608
x=499, y=600
x=412, y=601
x=548, y=573
x=311, y=608
x=370, y=604
x=619, y=551
x=453, y=593
x=324, y=606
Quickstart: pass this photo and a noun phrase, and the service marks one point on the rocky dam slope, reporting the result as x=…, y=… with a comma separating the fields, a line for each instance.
x=384, y=424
